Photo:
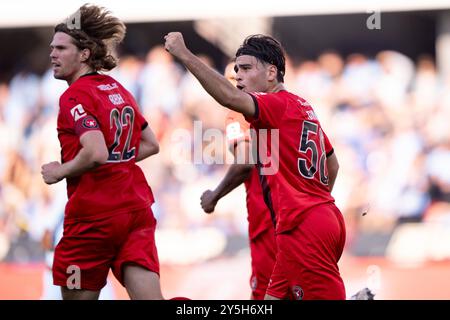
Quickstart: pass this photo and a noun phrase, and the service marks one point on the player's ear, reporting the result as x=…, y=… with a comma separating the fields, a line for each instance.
x=272, y=72
x=85, y=54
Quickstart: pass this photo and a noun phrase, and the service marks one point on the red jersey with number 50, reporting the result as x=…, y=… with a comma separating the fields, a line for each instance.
x=98, y=102
x=302, y=179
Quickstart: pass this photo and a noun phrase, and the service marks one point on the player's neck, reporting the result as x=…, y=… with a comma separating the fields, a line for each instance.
x=277, y=87
x=85, y=69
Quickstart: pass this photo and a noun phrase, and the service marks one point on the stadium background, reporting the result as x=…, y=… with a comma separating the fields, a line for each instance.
x=382, y=95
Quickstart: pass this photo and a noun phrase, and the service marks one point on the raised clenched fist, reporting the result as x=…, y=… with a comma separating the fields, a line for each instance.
x=175, y=44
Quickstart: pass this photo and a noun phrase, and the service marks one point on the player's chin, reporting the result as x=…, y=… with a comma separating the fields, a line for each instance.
x=58, y=75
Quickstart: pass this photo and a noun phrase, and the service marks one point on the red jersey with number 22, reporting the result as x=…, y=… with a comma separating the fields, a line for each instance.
x=98, y=102
x=302, y=180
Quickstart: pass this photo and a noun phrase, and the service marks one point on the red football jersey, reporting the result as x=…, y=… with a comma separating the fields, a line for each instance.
x=98, y=102
x=302, y=178
x=259, y=217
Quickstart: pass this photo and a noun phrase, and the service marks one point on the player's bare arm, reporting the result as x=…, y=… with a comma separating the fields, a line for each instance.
x=92, y=154
x=333, y=168
x=235, y=176
x=148, y=145
x=213, y=82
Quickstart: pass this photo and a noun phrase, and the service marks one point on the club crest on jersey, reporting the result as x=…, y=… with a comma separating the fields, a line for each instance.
x=297, y=292
x=78, y=112
x=90, y=123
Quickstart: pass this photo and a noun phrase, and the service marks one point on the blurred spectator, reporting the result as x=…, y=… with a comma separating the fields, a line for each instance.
x=159, y=80
x=127, y=73
x=395, y=78
x=197, y=103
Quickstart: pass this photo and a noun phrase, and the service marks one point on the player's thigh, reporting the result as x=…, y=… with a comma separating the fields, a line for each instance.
x=79, y=294
x=139, y=248
x=84, y=255
x=309, y=255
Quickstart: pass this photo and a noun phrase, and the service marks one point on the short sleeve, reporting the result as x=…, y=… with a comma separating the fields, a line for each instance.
x=269, y=109
x=78, y=112
x=141, y=121
x=328, y=147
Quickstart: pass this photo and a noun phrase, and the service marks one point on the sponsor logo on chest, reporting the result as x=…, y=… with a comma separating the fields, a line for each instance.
x=107, y=87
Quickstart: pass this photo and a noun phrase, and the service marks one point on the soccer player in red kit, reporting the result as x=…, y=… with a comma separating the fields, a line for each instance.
x=261, y=230
x=108, y=223
x=310, y=229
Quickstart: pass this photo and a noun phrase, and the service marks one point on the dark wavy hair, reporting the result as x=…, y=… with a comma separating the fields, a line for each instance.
x=98, y=31
x=266, y=49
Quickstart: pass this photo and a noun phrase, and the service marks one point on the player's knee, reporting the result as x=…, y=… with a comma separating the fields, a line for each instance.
x=141, y=283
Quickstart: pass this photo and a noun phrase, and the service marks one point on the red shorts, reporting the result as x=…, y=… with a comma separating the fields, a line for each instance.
x=308, y=256
x=96, y=246
x=263, y=251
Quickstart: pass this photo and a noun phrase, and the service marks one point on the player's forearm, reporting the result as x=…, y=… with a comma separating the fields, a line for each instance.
x=146, y=150
x=148, y=144
x=236, y=174
x=333, y=168
x=84, y=161
x=331, y=181
x=214, y=83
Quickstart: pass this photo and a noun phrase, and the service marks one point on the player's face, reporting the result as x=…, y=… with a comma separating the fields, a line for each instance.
x=65, y=56
x=252, y=75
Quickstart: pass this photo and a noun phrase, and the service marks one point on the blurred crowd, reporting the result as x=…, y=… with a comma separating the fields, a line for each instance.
x=386, y=116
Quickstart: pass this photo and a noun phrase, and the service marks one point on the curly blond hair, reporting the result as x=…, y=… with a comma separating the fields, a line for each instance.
x=98, y=31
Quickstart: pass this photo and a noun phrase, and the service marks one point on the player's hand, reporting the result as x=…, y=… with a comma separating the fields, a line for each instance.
x=175, y=44
x=208, y=201
x=50, y=172
x=47, y=240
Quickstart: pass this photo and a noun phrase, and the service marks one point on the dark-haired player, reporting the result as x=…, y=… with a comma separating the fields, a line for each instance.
x=310, y=229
